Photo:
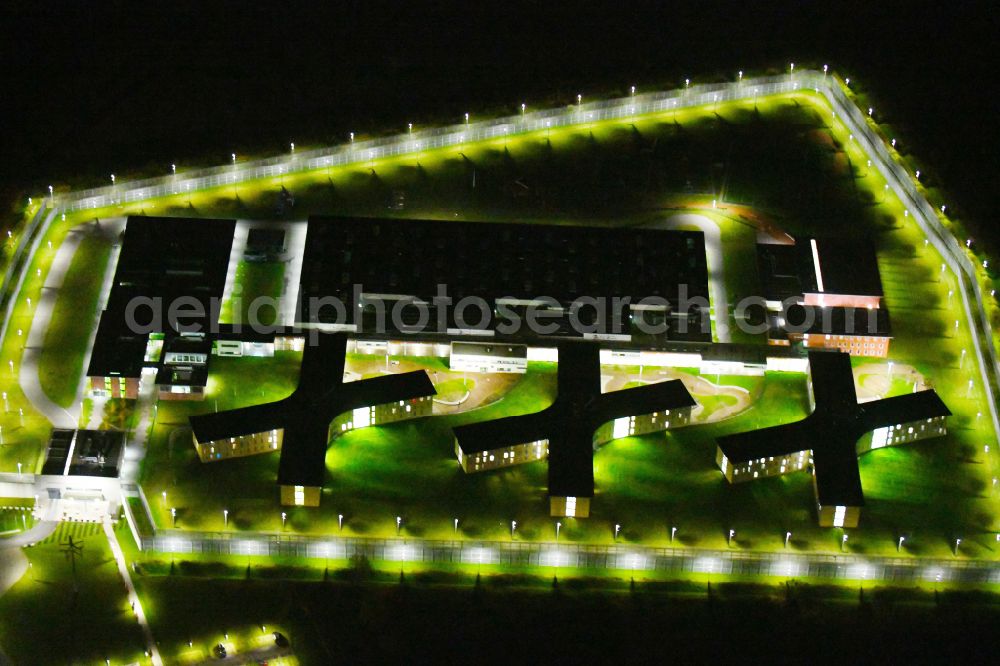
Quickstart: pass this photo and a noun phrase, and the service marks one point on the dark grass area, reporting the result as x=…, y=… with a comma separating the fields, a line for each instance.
x=505, y=619
x=50, y=617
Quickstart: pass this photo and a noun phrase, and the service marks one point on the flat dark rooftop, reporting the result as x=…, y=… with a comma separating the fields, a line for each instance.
x=165, y=258
x=497, y=260
x=95, y=453
x=833, y=429
x=306, y=414
x=570, y=421
x=848, y=267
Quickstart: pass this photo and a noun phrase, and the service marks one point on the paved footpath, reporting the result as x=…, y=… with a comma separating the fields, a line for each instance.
x=140, y=615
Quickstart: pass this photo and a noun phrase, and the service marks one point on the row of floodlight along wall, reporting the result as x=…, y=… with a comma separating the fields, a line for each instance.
x=903, y=184
x=437, y=137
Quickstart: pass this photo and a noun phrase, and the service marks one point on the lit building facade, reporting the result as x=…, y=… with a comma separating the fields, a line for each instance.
x=566, y=433
x=829, y=440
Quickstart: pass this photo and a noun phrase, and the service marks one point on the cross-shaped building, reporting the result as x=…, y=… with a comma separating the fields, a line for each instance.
x=580, y=418
x=302, y=425
x=831, y=438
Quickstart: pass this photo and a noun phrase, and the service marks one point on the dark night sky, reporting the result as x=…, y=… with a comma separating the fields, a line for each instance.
x=90, y=93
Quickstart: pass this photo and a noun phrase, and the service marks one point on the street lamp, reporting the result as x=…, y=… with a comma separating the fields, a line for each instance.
x=788, y=535
x=617, y=530
x=18, y=470
x=225, y=517
x=825, y=68
x=523, y=107
x=283, y=517
x=739, y=75
x=399, y=522
x=352, y=137
x=173, y=517
x=579, y=99
x=631, y=91
x=173, y=169
x=729, y=539
x=409, y=127
x=791, y=68
x=164, y=495
x=558, y=526
x=293, y=146
x=899, y=544
x=843, y=542
x=673, y=532
x=467, y=119
x=513, y=526
x=340, y=522
x=958, y=542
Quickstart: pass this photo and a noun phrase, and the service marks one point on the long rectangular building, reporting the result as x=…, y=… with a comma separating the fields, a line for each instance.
x=387, y=265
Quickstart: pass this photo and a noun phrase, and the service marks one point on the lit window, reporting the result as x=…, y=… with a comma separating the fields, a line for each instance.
x=570, y=506
x=300, y=495
x=839, y=513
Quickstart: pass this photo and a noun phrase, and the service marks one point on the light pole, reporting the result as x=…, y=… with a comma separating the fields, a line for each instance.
x=739, y=76
x=19, y=470
x=456, y=527
x=513, y=526
x=631, y=91
x=617, y=530
x=729, y=539
x=899, y=544
x=235, y=194
x=673, y=533
x=960, y=364
x=399, y=522
x=523, y=108
x=788, y=535
x=225, y=517
x=466, y=119
x=825, y=68
x=958, y=542
x=173, y=517
x=558, y=527
x=52, y=198
x=843, y=543
x=283, y=517
x=579, y=99
x=164, y=496
x=340, y=522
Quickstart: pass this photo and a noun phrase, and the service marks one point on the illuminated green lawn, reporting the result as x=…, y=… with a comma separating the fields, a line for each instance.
x=73, y=321
x=256, y=279
x=46, y=622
